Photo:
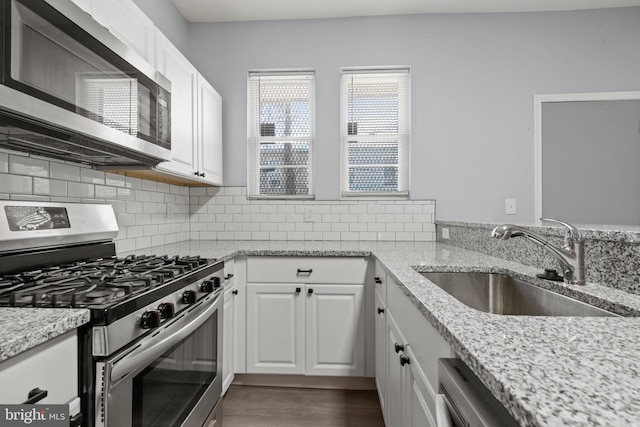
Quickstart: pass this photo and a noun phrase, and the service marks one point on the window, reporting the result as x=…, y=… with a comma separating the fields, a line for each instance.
x=375, y=132
x=281, y=121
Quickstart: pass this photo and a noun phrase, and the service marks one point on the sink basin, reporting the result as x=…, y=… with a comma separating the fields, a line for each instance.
x=502, y=294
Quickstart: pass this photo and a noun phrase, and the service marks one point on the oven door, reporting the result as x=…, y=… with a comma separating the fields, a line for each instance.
x=173, y=376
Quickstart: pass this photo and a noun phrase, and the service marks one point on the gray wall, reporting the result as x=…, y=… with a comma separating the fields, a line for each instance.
x=473, y=81
x=169, y=20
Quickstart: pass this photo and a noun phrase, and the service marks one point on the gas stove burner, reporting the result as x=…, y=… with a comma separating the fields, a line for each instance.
x=99, y=296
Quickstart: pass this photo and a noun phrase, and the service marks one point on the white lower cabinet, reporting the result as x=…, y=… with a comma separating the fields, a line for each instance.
x=231, y=324
x=275, y=325
x=50, y=367
x=312, y=329
x=407, y=353
x=334, y=330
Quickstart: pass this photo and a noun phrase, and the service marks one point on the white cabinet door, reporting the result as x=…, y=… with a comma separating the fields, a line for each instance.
x=396, y=381
x=335, y=330
x=381, y=350
x=84, y=5
x=418, y=395
x=51, y=366
x=228, y=350
x=127, y=22
x=183, y=76
x=209, y=133
x=275, y=326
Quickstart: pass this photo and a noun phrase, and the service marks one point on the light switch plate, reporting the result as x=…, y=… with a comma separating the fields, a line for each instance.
x=445, y=233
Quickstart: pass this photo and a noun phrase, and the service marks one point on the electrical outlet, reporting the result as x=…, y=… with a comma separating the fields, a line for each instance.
x=510, y=206
x=308, y=215
x=445, y=233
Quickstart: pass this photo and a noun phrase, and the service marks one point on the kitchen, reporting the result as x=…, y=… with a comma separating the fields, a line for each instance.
x=479, y=73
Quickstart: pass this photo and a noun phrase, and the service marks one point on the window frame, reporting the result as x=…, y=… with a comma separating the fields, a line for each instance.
x=404, y=131
x=254, y=134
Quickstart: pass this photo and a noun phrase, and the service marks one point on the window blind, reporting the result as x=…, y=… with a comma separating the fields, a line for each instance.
x=375, y=132
x=281, y=130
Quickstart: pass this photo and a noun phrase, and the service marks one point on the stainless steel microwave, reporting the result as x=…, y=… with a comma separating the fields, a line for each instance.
x=70, y=89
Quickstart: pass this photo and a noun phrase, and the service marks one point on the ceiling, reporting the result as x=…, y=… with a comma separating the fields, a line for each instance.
x=264, y=10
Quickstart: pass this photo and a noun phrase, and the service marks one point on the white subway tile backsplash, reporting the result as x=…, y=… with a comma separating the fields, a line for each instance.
x=16, y=184
x=49, y=187
x=4, y=163
x=106, y=191
x=30, y=198
x=20, y=165
x=92, y=176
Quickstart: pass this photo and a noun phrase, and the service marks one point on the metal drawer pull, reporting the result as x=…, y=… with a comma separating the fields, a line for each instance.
x=380, y=310
x=228, y=276
x=399, y=347
x=235, y=292
x=307, y=272
x=377, y=280
x=35, y=395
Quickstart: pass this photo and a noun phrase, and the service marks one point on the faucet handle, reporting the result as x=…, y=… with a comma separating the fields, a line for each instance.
x=574, y=233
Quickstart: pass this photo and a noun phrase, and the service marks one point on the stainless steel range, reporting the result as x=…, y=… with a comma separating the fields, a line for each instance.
x=152, y=352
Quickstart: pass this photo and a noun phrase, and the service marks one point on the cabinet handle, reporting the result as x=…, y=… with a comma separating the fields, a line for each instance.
x=307, y=272
x=309, y=291
x=380, y=310
x=399, y=347
x=377, y=280
x=228, y=276
x=202, y=174
x=404, y=360
x=196, y=173
x=235, y=292
x=35, y=395
x=298, y=290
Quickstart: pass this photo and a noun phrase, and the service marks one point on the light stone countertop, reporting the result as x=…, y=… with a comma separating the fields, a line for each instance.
x=25, y=328
x=547, y=371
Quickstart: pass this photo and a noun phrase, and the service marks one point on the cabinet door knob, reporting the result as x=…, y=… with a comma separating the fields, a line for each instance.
x=404, y=360
x=298, y=290
x=377, y=280
x=35, y=395
x=399, y=347
x=309, y=291
x=380, y=310
x=235, y=292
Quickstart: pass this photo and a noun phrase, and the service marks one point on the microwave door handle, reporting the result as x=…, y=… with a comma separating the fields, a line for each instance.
x=152, y=347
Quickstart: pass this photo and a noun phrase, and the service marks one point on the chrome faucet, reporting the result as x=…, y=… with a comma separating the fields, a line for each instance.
x=570, y=256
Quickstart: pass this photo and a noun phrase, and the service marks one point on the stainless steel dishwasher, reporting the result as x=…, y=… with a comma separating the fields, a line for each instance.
x=463, y=401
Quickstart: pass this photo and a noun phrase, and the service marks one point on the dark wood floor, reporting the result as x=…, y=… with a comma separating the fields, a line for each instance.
x=284, y=406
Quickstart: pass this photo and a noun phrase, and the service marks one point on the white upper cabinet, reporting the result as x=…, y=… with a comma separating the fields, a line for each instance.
x=127, y=22
x=209, y=133
x=84, y=5
x=183, y=76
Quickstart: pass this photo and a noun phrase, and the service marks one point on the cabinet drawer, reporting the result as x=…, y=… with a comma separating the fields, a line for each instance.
x=306, y=269
x=51, y=366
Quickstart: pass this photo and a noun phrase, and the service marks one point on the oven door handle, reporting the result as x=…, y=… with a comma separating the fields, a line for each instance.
x=153, y=346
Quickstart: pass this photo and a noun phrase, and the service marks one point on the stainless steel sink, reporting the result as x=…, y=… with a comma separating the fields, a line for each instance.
x=502, y=294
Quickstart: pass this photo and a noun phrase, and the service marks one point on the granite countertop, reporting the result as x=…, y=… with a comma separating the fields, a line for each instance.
x=547, y=371
x=24, y=328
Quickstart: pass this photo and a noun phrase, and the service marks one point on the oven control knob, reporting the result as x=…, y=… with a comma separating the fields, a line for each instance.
x=209, y=285
x=150, y=319
x=189, y=297
x=167, y=310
